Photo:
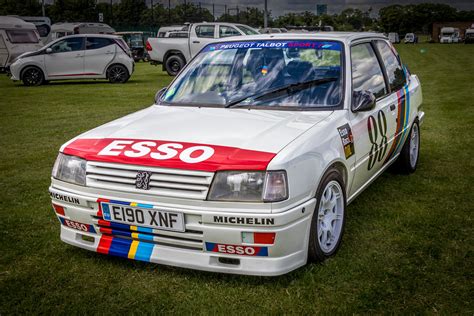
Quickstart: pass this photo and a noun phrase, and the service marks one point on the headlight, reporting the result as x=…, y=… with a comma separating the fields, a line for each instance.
x=70, y=169
x=245, y=186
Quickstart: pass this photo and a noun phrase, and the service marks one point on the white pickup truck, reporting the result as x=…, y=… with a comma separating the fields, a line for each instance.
x=175, y=52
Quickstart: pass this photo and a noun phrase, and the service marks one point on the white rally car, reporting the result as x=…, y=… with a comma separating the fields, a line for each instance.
x=247, y=161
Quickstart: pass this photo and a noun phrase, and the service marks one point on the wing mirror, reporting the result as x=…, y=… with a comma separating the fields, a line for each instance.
x=159, y=94
x=362, y=101
x=49, y=50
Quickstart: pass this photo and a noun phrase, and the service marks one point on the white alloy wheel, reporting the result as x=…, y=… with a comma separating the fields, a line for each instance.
x=414, y=145
x=330, y=216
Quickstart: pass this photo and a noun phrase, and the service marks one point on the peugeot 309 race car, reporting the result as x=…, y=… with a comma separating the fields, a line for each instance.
x=247, y=161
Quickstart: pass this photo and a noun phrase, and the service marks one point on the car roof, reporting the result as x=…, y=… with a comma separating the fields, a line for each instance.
x=13, y=22
x=346, y=37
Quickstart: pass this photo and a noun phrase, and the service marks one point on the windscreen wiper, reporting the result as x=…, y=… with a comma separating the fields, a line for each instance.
x=289, y=89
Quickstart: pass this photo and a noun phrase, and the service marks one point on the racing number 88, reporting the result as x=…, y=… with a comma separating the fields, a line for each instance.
x=378, y=150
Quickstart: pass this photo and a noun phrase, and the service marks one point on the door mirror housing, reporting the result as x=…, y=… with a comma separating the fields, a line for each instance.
x=362, y=101
x=159, y=94
x=49, y=50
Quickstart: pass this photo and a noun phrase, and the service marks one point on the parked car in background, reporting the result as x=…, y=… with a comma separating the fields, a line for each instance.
x=246, y=163
x=59, y=30
x=393, y=38
x=16, y=38
x=449, y=35
x=411, y=38
x=136, y=42
x=469, y=36
x=86, y=56
x=270, y=30
x=175, y=52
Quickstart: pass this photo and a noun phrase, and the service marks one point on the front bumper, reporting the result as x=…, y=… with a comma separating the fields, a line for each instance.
x=197, y=247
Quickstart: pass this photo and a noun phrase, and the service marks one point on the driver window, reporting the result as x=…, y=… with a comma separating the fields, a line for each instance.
x=68, y=45
x=205, y=31
x=366, y=71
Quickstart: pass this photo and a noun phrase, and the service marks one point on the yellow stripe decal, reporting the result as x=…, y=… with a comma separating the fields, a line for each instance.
x=134, y=228
x=133, y=249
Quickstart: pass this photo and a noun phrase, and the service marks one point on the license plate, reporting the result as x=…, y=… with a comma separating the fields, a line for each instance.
x=148, y=217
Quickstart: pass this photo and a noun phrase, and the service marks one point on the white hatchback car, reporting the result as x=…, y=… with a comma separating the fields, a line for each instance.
x=85, y=56
x=248, y=159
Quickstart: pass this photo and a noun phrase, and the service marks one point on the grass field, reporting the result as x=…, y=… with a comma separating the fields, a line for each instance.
x=408, y=247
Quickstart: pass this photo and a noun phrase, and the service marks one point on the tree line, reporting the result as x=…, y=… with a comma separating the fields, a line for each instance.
x=136, y=14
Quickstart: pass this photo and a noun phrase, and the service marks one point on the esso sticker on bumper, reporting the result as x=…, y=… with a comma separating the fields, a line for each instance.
x=237, y=249
x=76, y=225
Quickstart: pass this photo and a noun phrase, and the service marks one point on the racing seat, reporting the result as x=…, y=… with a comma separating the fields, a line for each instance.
x=267, y=67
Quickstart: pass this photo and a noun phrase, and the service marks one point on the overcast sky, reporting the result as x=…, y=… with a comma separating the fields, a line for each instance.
x=280, y=7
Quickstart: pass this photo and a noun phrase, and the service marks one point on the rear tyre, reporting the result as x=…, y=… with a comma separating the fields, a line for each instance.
x=32, y=76
x=327, y=223
x=174, y=64
x=408, y=159
x=118, y=74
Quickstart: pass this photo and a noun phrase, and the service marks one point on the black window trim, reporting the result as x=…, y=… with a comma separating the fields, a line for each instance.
x=370, y=41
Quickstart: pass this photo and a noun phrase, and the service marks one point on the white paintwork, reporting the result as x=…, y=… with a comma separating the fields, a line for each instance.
x=85, y=63
x=306, y=144
x=188, y=47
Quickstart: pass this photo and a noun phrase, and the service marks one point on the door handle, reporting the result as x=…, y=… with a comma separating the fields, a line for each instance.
x=392, y=107
x=196, y=42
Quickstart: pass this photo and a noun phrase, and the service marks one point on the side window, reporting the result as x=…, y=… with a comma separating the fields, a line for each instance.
x=366, y=71
x=395, y=73
x=227, y=31
x=97, y=42
x=68, y=45
x=205, y=31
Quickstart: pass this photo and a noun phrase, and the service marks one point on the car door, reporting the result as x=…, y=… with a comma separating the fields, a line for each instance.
x=203, y=34
x=399, y=98
x=100, y=52
x=372, y=130
x=66, y=59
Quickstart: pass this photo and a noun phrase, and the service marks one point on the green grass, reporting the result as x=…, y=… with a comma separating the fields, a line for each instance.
x=408, y=247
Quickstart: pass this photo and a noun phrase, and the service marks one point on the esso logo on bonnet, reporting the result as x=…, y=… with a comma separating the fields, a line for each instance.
x=136, y=149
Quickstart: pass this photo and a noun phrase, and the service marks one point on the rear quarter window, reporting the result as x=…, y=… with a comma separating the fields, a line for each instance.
x=98, y=42
x=393, y=67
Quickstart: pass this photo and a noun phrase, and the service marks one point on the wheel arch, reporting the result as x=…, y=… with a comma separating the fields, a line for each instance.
x=173, y=52
x=339, y=165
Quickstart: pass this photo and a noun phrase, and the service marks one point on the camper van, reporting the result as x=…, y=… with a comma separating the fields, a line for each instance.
x=42, y=23
x=449, y=35
x=59, y=30
x=16, y=38
x=393, y=38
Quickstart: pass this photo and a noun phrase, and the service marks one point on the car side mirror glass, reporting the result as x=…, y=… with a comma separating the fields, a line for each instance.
x=362, y=101
x=49, y=50
x=159, y=94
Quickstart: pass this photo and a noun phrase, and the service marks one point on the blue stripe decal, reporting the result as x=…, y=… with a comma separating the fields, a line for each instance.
x=105, y=211
x=120, y=247
x=119, y=202
x=145, y=237
x=210, y=246
x=263, y=252
x=144, y=229
x=144, y=205
x=144, y=251
x=119, y=226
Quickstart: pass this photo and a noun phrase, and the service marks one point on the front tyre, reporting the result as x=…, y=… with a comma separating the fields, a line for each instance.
x=32, y=76
x=327, y=224
x=118, y=74
x=408, y=159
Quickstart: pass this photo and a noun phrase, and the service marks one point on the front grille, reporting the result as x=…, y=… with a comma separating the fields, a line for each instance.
x=189, y=239
x=163, y=182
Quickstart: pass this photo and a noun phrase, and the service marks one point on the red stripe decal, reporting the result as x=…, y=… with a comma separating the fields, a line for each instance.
x=168, y=154
x=70, y=75
x=104, y=244
x=103, y=222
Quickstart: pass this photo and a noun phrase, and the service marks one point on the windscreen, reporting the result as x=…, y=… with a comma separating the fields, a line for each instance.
x=296, y=73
